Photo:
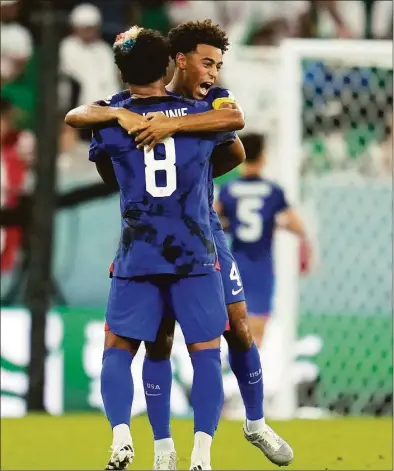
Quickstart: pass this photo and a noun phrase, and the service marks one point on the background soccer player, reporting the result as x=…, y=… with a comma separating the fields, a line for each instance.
x=166, y=254
x=197, y=48
x=251, y=208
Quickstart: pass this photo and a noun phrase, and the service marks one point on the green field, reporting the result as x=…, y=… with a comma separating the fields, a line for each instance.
x=82, y=442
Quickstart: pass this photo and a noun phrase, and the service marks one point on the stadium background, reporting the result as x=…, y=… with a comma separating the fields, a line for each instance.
x=343, y=358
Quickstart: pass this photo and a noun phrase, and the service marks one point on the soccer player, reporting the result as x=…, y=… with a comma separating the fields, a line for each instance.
x=251, y=208
x=197, y=49
x=166, y=255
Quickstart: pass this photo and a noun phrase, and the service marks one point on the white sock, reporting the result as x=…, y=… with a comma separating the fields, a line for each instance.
x=253, y=426
x=121, y=435
x=202, y=448
x=165, y=445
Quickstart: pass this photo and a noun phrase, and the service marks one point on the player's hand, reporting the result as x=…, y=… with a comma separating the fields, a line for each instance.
x=131, y=122
x=307, y=261
x=159, y=128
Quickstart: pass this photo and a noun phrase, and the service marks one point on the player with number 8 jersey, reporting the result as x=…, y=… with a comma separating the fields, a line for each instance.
x=166, y=255
x=165, y=211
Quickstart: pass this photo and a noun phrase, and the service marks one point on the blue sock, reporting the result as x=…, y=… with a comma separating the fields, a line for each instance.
x=157, y=379
x=207, y=394
x=117, y=388
x=247, y=368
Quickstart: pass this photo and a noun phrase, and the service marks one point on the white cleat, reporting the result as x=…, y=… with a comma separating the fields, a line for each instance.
x=122, y=456
x=165, y=461
x=199, y=467
x=271, y=444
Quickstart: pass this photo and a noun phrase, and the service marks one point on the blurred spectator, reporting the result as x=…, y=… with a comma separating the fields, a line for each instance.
x=16, y=50
x=18, y=71
x=16, y=156
x=154, y=14
x=86, y=58
x=364, y=18
x=16, y=43
x=197, y=10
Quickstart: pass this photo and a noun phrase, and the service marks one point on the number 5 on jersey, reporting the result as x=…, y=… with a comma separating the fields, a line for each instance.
x=168, y=165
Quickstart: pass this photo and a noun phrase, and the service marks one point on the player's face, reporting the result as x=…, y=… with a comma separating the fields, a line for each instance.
x=88, y=34
x=200, y=70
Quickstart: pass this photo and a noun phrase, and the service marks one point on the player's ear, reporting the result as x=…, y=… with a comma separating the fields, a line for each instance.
x=180, y=60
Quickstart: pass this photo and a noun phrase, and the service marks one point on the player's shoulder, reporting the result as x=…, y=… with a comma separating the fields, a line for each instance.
x=261, y=186
x=188, y=101
x=216, y=95
x=116, y=99
x=272, y=185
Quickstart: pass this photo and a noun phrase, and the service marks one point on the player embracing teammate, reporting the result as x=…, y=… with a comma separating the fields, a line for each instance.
x=172, y=242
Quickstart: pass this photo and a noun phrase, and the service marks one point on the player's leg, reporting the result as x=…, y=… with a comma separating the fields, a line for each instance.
x=157, y=379
x=257, y=324
x=245, y=362
x=133, y=314
x=244, y=359
x=117, y=391
x=199, y=307
x=260, y=295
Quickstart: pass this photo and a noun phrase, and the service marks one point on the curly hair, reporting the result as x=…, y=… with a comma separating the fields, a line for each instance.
x=185, y=37
x=142, y=55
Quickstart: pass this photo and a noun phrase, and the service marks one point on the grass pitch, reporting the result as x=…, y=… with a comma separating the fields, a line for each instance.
x=82, y=442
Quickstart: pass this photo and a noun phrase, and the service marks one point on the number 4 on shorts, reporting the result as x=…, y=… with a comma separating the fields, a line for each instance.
x=234, y=274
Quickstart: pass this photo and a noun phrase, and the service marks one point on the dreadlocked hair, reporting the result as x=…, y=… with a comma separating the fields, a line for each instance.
x=185, y=37
x=142, y=55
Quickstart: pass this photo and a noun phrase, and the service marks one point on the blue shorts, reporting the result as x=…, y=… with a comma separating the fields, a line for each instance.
x=259, y=284
x=136, y=306
x=231, y=278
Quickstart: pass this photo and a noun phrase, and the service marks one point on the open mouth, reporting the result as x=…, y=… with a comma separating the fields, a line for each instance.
x=204, y=87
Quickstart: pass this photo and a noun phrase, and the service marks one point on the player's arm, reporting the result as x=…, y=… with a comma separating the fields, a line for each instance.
x=100, y=157
x=106, y=171
x=218, y=206
x=290, y=220
x=224, y=119
x=89, y=115
x=86, y=116
x=226, y=157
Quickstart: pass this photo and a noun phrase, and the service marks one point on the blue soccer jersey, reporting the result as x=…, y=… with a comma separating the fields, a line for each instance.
x=163, y=194
x=251, y=206
x=215, y=97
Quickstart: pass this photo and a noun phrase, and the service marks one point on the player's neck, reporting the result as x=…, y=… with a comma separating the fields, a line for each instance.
x=251, y=171
x=152, y=89
x=176, y=85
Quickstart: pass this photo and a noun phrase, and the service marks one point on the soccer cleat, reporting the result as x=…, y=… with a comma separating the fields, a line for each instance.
x=199, y=467
x=271, y=444
x=165, y=461
x=121, y=457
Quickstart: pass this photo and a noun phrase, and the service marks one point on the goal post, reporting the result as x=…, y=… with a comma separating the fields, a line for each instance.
x=290, y=139
x=293, y=106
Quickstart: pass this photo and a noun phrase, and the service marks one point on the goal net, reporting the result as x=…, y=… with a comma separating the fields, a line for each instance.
x=327, y=110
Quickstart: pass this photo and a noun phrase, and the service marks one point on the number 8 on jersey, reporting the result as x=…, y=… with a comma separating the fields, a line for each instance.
x=168, y=165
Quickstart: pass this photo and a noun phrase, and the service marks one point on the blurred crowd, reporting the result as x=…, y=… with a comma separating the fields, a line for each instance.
x=87, y=71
